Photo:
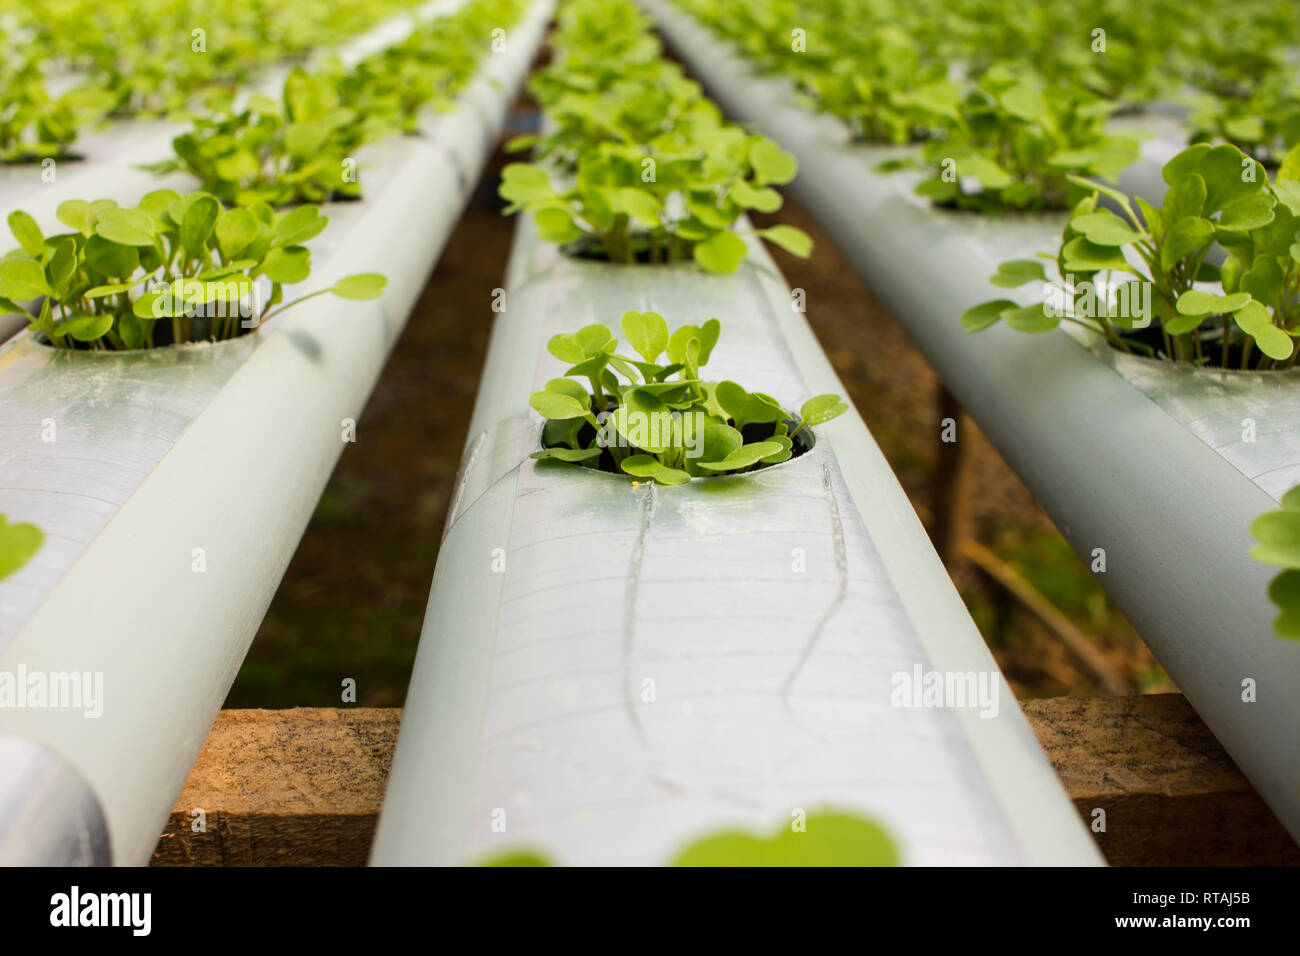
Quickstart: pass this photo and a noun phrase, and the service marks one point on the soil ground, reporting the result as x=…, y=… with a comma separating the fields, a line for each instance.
x=352, y=602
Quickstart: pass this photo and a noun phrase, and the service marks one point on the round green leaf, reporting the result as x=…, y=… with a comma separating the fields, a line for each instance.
x=644, y=466
x=363, y=285
x=130, y=227
x=647, y=332
x=822, y=408
x=553, y=405
x=721, y=253
x=792, y=240
x=980, y=317
x=18, y=542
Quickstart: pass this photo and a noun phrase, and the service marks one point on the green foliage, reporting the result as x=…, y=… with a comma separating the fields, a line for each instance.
x=301, y=149
x=18, y=543
x=831, y=838
x=180, y=260
x=148, y=58
x=1278, y=534
x=1245, y=314
x=637, y=164
x=653, y=416
x=1009, y=143
x=828, y=838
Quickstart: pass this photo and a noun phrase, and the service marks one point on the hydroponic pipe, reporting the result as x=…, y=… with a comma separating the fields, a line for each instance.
x=1149, y=481
x=609, y=670
x=193, y=520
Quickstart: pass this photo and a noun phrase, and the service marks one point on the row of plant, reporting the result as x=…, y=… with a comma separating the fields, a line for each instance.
x=1010, y=98
x=302, y=148
x=637, y=167
x=213, y=265
x=636, y=164
x=147, y=58
x=1143, y=279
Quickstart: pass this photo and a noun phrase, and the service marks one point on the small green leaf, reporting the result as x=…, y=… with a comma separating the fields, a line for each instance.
x=197, y=225
x=18, y=543
x=644, y=466
x=85, y=328
x=1198, y=303
x=721, y=253
x=1017, y=272
x=287, y=265
x=299, y=225
x=647, y=332
x=980, y=317
x=22, y=279
x=566, y=454
x=829, y=838
x=78, y=214
x=822, y=408
x=1284, y=591
x=744, y=457
x=363, y=285
x=772, y=165
x=792, y=240
x=1278, y=534
x=555, y=224
x=27, y=233
x=130, y=227
x=1032, y=318
x=1255, y=321
x=1105, y=229
x=553, y=405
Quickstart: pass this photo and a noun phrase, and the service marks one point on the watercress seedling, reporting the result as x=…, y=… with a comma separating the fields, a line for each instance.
x=182, y=261
x=1244, y=314
x=652, y=416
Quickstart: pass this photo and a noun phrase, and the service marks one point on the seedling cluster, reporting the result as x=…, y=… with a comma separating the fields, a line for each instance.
x=302, y=147
x=182, y=262
x=1244, y=314
x=637, y=165
x=147, y=58
x=1009, y=100
x=663, y=421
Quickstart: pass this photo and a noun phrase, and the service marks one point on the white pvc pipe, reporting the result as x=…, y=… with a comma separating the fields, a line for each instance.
x=526, y=726
x=241, y=483
x=1155, y=476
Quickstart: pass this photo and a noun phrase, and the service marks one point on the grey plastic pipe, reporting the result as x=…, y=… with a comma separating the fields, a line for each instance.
x=1153, y=477
x=220, y=452
x=610, y=669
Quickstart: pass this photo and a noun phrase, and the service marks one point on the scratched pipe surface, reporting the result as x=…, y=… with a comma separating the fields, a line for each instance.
x=222, y=448
x=1151, y=464
x=647, y=666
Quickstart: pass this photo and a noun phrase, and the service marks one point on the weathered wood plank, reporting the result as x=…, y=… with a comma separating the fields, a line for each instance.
x=303, y=787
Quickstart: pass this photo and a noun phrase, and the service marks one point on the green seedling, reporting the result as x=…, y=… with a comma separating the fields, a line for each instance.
x=294, y=151
x=639, y=166
x=182, y=263
x=302, y=148
x=1245, y=314
x=651, y=415
x=1010, y=143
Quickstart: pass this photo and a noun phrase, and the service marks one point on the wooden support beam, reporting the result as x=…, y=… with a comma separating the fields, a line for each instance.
x=303, y=787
